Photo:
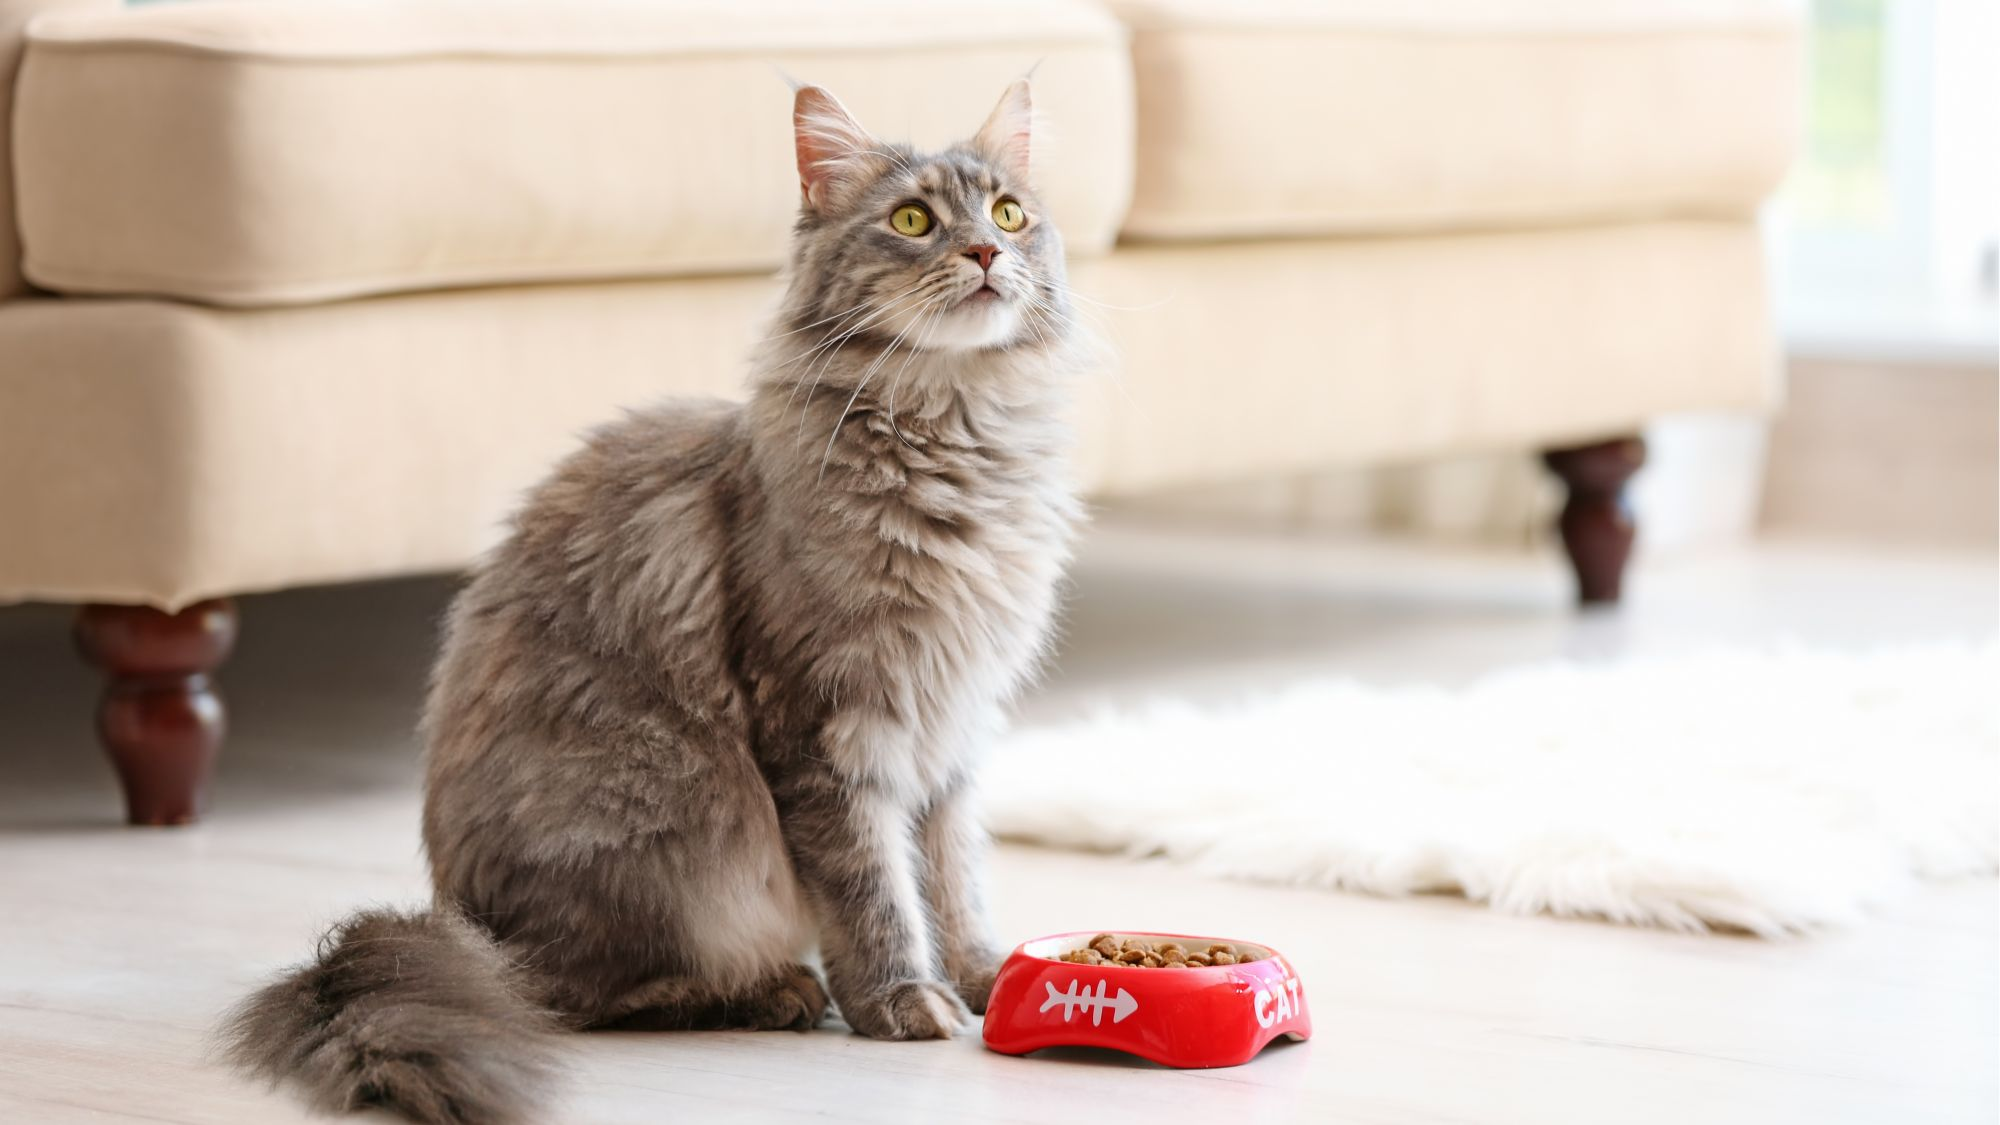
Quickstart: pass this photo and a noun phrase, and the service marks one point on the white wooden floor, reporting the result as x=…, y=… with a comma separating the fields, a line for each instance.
x=118, y=948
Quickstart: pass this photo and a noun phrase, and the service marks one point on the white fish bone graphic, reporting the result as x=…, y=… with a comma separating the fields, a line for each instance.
x=1095, y=1003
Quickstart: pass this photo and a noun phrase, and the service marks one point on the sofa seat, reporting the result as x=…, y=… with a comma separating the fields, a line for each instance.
x=174, y=451
x=277, y=153
x=1464, y=114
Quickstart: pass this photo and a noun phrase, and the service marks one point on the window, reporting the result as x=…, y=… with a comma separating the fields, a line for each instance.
x=1886, y=231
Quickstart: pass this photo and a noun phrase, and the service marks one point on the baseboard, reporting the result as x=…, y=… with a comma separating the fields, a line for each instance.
x=1885, y=451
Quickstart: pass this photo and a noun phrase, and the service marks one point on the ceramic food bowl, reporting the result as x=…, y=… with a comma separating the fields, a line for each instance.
x=1208, y=1016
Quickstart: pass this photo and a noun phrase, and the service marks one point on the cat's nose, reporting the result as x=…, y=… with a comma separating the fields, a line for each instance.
x=984, y=253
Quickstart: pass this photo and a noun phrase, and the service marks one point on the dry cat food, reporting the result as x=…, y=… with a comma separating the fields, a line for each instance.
x=1136, y=953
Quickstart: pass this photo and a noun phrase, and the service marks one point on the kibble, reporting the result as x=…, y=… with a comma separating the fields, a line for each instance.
x=1137, y=953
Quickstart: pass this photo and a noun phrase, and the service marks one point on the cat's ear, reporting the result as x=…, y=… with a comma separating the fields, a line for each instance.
x=1005, y=136
x=832, y=145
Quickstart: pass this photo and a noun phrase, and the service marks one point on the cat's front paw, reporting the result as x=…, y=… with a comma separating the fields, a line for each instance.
x=909, y=1009
x=973, y=977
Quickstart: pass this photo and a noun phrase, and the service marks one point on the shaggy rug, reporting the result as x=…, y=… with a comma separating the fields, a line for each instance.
x=1773, y=792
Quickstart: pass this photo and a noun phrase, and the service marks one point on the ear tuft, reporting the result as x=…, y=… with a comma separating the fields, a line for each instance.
x=829, y=142
x=1006, y=135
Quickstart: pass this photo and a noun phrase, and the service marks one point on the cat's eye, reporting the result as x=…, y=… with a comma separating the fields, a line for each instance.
x=911, y=219
x=1008, y=216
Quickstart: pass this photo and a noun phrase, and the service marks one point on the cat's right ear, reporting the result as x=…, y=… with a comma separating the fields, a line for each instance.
x=833, y=148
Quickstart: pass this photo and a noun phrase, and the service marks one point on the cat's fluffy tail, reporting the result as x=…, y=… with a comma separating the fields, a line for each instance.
x=418, y=1013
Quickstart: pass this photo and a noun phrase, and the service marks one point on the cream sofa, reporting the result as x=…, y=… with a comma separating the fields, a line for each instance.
x=307, y=291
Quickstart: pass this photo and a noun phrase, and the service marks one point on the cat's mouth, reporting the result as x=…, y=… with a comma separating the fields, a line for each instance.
x=985, y=294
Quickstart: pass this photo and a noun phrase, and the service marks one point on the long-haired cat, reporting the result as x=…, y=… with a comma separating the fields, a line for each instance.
x=715, y=702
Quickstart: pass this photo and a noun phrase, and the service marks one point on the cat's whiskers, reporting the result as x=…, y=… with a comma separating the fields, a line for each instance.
x=929, y=309
x=889, y=307
x=1030, y=297
x=1044, y=315
x=922, y=341
x=1075, y=316
x=1087, y=299
x=1032, y=316
x=833, y=336
x=815, y=324
x=911, y=298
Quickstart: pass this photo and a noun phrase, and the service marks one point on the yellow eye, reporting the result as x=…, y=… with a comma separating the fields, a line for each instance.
x=1008, y=215
x=911, y=219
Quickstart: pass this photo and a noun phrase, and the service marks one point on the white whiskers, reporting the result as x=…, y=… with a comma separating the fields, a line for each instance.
x=928, y=310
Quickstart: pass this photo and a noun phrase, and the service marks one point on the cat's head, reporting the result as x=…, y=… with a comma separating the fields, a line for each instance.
x=950, y=251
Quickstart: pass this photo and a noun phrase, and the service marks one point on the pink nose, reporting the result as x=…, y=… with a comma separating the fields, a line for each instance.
x=984, y=253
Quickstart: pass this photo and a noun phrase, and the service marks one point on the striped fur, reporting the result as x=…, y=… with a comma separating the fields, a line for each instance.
x=715, y=704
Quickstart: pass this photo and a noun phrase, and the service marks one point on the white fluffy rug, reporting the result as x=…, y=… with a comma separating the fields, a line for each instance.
x=1768, y=792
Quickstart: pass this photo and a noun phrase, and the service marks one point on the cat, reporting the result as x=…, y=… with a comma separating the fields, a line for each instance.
x=716, y=701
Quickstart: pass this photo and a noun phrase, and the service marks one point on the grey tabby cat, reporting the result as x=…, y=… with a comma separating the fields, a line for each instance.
x=715, y=702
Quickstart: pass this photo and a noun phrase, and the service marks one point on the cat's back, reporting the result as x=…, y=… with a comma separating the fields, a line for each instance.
x=649, y=485
x=629, y=530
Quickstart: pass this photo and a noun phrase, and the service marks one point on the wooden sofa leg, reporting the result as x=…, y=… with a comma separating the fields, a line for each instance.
x=160, y=718
x=1596, y=523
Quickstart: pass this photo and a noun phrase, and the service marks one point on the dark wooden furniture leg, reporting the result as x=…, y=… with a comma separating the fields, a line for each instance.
x=1596, y=524
x=160, y=719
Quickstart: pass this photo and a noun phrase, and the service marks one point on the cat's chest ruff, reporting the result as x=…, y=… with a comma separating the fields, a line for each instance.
x=958, y=526
x=953, y=589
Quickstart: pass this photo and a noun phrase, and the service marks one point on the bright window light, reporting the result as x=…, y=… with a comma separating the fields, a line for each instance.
x=1885, y=235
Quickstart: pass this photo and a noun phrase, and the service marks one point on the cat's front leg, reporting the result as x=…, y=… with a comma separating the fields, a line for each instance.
x=955, y=847
x=854, y=848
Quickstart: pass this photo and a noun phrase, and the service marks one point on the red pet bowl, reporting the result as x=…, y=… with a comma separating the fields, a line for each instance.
x=1221, y=1015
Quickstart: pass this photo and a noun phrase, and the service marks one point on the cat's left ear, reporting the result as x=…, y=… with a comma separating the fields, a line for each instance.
x=1005, y=136
x=833, y=148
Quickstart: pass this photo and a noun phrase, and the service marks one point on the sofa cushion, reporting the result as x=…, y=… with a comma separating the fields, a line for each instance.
x=1247, y=360
x=15, y=16
x=1276, y=117
x=270, y=153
